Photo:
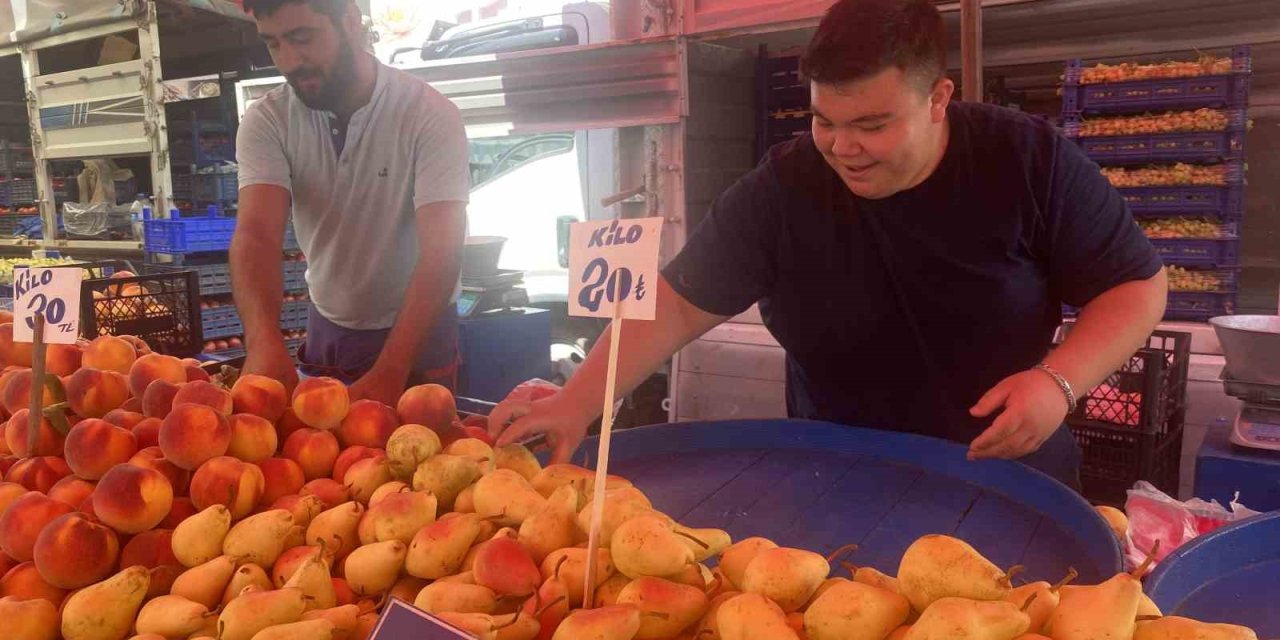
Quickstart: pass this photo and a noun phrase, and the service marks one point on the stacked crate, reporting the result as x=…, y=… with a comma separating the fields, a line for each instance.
x=784, y=99
x=1171, y=138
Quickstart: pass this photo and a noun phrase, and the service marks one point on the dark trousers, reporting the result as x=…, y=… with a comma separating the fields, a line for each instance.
x=346, y=354
x=1059, y=458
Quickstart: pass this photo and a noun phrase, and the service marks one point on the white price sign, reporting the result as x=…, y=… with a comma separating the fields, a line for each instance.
x=53, y=293
x=611, y=263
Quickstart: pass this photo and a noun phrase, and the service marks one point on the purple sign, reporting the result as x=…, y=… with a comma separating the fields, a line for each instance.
x=402, y=620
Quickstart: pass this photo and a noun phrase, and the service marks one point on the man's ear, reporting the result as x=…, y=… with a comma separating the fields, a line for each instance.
x=940, y=97
x=354, y=23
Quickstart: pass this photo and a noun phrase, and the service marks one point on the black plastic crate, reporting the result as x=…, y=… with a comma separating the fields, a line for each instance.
x=163, y=309
x=216, y=187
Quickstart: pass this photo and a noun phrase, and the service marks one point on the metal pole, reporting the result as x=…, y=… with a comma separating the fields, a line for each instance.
x=971, y=86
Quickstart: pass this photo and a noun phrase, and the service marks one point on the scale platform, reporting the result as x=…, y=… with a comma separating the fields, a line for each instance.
x=499, y=292
x=1251, y=345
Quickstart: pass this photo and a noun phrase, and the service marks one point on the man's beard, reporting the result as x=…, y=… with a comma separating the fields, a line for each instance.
x=332, y=86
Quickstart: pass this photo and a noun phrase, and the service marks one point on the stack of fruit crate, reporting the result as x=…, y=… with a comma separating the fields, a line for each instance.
x=1171, y=137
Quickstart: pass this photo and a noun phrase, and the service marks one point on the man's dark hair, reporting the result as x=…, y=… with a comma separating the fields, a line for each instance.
x=335, y=9
x=860, y=38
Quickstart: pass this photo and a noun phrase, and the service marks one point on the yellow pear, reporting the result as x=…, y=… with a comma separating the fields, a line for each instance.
x=691, y=575
x=573, y=570
x=296, y=536
x=1178, y=628
x=397, y=517
x=171, y=616
x=409, y=446
x=901, y=633
x=516, y=626
x=1146, y=607
x=466, y=577
x=35, y=619
x=1107, y=610
x=337, y=528
x=854, y=611
x=253, y=611
x=466, y=500
x=395, y=486
x=787, y=576
x=318, y=629
x=705, y=543
x=438, y=549
x=198, y=539
x=949, y=618
x=646, y=546
x=248, y=575
x=938, y=566
x=312, y=578
x=305, y=509
x=1046, y=598
x=1115, y=518
x=259, y=538
x=554, y=476
x=620, y=505
x=553, y=527
x=734, y=560
x=505, y=497
x=480, y=625
x=873, y=577
x=476, y=449
x=208, y=628
x=677, y=606
x=439, y=597
x=708, y=628
x=618, y=622
x=751, y=616
x=373, y=568
x=106, y=610
x=344, y=618
x=361, y=480
x=445, y=476
x=518, y=458
x=607, y=591
x=205, y=583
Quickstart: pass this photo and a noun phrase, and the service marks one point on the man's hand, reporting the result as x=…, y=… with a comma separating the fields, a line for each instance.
x=1034, y=407
x=274, y=362
x=381, y=383
x=554, y=417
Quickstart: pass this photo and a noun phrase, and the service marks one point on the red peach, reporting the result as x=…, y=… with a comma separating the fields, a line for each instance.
x=92, y=393
x=147, y=432
x=152, y=367
x=149, y=549
x=430, y=405
x=48, y=442
x=71, y=490
x=350, y=456
x=227, y=481
x=262, y=396
x=330, y=491
x=109, y=353
x=132, y=498
x=7, y=462
x=162, y=579
x=321, y=403
x=205, y=393
x=345, y=595
x=6, y=563
x=61, y=359
x=192, y=434
x=253, y=438
x=10, y=491
x=157, y=401
x=133, y=404
x=182, y=509
x=15, y=353
x=124, y=419
x=93, y=446
x=22, y=521
x=314, y=450
x=73, y=552
x=287, y=424
x=24, y=583
x=196, y=374
x=153, y=458
x=282, y=477
x=39, y=473
x=369, y=423
x=17, y=392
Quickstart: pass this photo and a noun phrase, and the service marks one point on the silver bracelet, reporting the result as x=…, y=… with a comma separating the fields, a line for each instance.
x=1062, y=384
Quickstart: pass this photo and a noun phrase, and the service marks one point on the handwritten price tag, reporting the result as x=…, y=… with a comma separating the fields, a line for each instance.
x=53, y=293
x=614, y=262
x=402, y=620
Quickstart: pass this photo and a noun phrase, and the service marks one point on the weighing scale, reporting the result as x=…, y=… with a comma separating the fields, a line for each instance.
x=497, y=293
x=1251, y=345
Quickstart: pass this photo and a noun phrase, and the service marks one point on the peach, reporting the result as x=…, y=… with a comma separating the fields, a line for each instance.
x=182, y=509
x=282, y=477
x=139, y=345
x=345, y=596
x=5, y=377
x=109, y=353
x=93, y=446
x=196, y=374
x=152, y=367
x=430, y=405
x=157, y=400
x=17, y=392
x=133, y=404
x=192, y=434
x=48, y=442
x=287, y=424
x=149, y=549
x=93, y=393
x=132, y=498
x=162, y=579
x=6, y=563
x=314, y=450
x=61, y=359
x=147, y=432
x=153, y=458
x=125, y=419
x=15, y=353
x=227, y=481
x=10, y=491
x=253, y=438
x=86, y=507
x=350, y=456
x=369, y=423
x=7, y=462
x=205, y=393
x=39, y=473
x=262, y=396
x=330, y=491
x=22, y=521
x=73, y=552
x=25, y=583
x=321, y=403
x=71, y=490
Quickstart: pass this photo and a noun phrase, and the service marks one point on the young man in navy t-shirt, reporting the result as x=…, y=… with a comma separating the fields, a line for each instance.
x=911, y=254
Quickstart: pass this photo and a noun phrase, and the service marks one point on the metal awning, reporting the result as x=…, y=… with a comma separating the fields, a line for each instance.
x=23, y=21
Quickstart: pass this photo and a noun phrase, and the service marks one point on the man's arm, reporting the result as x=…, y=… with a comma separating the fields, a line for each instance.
x=257, y=281
x=441, y=228
x=564, y=417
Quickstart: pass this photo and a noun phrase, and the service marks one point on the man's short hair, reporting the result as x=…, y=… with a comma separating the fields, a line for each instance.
x=333, y=8
x=860, y=38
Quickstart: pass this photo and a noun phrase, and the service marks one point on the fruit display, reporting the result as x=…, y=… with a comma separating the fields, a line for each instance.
x=156, y=501
x=1172, y=122
x=1129, y=71
x=7, y=265
x=1169, y=228
x=1183, y=279
x=1179, y=174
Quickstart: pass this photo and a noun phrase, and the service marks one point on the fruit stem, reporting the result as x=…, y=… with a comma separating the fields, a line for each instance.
x=1007, y=578
x=1027, y=605
x=700, y=543
x=715, y=584
x=1072, y=574
x=850, y=567
x=848, y=548
x=556, y=573
x=1146, y=618
x=548, y=606
x=1146, y=564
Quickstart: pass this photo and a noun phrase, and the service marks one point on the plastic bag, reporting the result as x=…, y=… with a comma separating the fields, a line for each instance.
x=86, y=219
x=1154, y=515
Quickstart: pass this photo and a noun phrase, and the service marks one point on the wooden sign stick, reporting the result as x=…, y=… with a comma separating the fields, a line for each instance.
x=602, y=459
x=37, y=384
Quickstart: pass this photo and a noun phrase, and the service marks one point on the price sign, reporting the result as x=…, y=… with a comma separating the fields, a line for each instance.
x=53, y=293
x=614, y=263
x=402, y=620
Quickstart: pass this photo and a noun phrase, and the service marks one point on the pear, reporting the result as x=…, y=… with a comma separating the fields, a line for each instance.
x=312, y=578
x=198, y=539
x=1046, y=598
x=363, y=479
x=208, y=628
x=318, y=629
x=875, y=578
x=901, y=633
x=106, y=610
x=373, y=568
x=787, y=576
x=854, y=611
x=475, y=449
x=549, y=606
x=252, y=611
x=407, y=588
x=506, y=567
x=1107, y=610
x=1116, y=519
x=397, y=517
x=296, y=536
x=439, y=597
x=506, y=497
x=466, y=577
x=952, y=617
x=408, y=447
x=705, y=543
x=446, y=476
x=480, y=625
x=607, y=591
x=1178, y=628
x=466, y=500
x=691, y=575
x=1147, y=607
x=259, y=538
x=35, y=619
x=554, y=476
x=305, y=509
x=516, y=626
x=248, y=575
x=337, y=528
x=751, y=616
x=553, y=527
x=518, y=458
x=679, y=606
x=708, y=628
x=619, y=622
x=646, y=546
x=620, y=505
x=938, y=566
x=573, y=571
x=171, y=616
x=734, y=560
x=395, y=486
x=437, y=550
x=344, y=618
x=205, y=583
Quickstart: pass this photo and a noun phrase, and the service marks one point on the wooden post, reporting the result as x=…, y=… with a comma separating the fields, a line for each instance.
x=602, y=459
x=971, y=85
x=37, y=384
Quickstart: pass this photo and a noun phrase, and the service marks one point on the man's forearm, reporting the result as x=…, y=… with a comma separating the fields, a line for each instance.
x=430, y=290
x=257, y=283
x=1109, y=330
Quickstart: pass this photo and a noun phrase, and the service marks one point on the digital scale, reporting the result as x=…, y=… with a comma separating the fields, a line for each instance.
x=497, y=293
x=1251, y=345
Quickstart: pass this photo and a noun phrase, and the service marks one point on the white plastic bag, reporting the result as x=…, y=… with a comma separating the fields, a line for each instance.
x=1155, y=516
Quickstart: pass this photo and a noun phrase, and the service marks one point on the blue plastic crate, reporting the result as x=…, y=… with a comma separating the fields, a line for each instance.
x=179, y=236
x=1199, y=306
x=290, y=238
x=293, y=315
x=221, y=322
x=295, y=276
x=1199, y=252
x=1225, y=203
x=216, y=187
x=1167, y=147
x=1223, y=91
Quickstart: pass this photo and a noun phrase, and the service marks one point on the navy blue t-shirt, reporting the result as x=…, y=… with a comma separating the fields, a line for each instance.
x=900, y=313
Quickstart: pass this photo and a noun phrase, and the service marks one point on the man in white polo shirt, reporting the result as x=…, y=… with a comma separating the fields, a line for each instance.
x=373, y=163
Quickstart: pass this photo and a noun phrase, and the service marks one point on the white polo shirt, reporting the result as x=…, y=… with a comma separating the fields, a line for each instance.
x=354, y=214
